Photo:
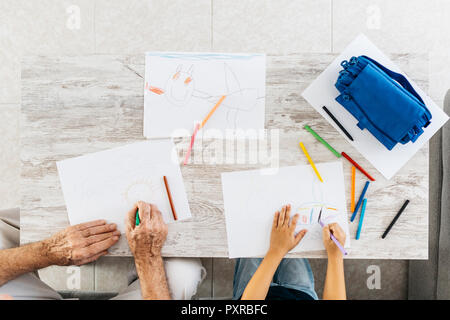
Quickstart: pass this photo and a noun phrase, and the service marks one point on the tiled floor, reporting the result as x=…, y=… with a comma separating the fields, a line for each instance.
x=395, y=26
x=393, y=276
x=152, y=25
x=281, y=26
x=54, y=27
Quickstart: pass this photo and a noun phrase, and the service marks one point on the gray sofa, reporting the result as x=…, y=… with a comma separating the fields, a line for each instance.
x=430, y=279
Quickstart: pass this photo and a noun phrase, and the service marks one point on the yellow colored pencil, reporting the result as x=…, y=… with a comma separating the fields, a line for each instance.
x=352, y=197
x=212, y=111
x=310, y=161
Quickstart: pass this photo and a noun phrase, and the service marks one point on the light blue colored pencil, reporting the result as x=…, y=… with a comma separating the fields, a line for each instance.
x=361, y=218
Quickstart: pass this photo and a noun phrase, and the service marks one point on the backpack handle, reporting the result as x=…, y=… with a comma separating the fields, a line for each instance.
x=397, y=77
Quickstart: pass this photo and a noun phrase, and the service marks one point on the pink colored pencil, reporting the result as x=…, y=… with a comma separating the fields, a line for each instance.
x=188, y=153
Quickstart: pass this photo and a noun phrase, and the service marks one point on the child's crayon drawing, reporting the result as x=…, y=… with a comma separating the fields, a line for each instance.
x=180, y=89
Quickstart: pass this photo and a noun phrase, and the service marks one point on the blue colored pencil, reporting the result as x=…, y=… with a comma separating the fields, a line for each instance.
x=361, y=218
x=361, y=197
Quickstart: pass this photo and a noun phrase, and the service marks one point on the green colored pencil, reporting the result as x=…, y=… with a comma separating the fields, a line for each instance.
x=337, y=154
x=137, y=217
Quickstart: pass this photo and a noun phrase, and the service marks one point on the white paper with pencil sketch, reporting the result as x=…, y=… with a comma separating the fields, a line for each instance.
x=106, y=184
x=181, y=89
x=251, y=198
x=322, y=92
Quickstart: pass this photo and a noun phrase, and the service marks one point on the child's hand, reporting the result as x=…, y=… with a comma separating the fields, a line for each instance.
x=283, y=238
x=339, y=234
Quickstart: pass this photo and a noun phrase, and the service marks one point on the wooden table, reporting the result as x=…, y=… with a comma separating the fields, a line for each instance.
x=73, y=105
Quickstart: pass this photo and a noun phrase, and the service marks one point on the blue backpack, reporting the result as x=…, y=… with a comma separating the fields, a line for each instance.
x=383, y=101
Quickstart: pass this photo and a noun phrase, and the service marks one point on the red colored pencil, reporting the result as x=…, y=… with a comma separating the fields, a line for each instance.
x=346, y=156
x=170, y=198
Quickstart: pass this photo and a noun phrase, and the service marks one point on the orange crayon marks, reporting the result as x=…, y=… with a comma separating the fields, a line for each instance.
x=153, y=89
x=156, y=90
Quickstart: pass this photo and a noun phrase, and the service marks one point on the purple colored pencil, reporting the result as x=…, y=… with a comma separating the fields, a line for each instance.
x=336, y=241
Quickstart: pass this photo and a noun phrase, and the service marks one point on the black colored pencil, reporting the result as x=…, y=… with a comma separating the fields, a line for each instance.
x=338, y=123
x=395, y=219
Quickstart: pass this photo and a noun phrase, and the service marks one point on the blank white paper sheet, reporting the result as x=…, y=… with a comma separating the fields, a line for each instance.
x=322, y=92
x=251, y=199
x=182, y=88
x=106, y=184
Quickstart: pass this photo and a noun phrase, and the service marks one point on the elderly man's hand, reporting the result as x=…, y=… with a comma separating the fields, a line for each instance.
x=147, y=239
x=81, y=244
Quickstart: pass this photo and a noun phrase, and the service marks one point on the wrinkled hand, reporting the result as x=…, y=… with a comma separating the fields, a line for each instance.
x=339, y=234
x=147, y=239
x=283, y=238
x=81, y=244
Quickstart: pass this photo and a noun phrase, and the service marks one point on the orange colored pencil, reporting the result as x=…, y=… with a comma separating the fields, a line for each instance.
x=212, y=111
x=170, y=198
x=352, y=197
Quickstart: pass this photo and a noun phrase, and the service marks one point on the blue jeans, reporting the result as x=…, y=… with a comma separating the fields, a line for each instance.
x=291, y=273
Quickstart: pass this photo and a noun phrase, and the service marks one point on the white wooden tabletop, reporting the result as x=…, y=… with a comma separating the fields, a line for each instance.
x=73, y=105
